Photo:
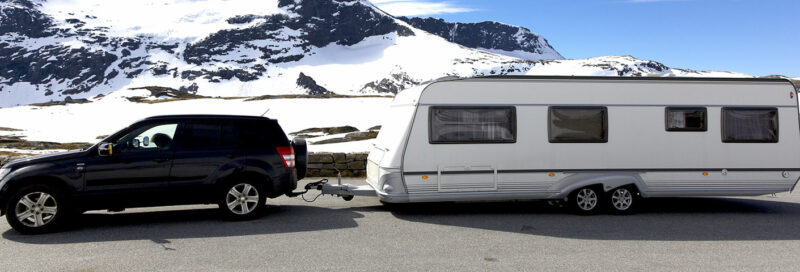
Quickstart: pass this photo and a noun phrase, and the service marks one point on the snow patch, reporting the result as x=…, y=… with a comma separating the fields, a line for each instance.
x=179, y=19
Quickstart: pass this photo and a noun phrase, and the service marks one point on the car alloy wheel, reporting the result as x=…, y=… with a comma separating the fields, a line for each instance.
x=36, y=209
x=242, y=199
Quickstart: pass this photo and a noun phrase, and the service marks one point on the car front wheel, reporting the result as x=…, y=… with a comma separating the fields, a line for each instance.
x=241, y=200
x=37, y=209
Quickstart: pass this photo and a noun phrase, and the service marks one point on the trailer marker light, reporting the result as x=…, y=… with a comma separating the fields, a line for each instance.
x=424, y=177
x=705, y=173
x=552, y=174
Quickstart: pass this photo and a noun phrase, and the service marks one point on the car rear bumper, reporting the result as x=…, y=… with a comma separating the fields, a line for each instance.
x=288, y=183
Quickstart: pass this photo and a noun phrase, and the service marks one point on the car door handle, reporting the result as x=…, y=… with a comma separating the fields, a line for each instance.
x=161, y=160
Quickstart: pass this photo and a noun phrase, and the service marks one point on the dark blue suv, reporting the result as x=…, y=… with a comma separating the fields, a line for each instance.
x=235, y=161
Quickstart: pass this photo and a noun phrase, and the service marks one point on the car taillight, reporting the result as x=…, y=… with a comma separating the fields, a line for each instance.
x=287, y=154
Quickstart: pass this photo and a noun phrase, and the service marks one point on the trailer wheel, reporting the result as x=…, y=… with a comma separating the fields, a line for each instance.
x=622, y=200
x=586, y=200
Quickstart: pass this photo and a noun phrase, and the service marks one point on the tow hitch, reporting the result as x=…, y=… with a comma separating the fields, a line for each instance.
x=345, y=191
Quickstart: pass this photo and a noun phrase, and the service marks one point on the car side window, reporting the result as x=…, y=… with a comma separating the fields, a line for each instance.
x=208, y=135
x=151, y=137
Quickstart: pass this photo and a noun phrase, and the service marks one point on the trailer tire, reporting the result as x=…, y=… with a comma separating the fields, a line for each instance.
x=586, y=200
x=623, y=200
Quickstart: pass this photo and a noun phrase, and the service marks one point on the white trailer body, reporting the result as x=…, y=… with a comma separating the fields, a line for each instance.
x=517, y=138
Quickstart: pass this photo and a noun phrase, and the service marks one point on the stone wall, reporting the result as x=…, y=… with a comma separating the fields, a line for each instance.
x=325, y=164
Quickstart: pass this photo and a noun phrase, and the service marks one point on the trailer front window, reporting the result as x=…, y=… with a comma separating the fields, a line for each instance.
x=452, y=125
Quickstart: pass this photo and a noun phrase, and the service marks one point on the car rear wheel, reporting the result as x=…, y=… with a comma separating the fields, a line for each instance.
x=37, y=209
x=586, y=200
x=241, y=200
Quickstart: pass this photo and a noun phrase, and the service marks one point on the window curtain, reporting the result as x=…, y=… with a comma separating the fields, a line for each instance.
x=472, y=125
x=751, y=125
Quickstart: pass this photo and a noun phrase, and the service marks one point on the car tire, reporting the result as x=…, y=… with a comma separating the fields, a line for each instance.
x=622, y=200
x=242, y=200
x=38, y=209
x=586, y=200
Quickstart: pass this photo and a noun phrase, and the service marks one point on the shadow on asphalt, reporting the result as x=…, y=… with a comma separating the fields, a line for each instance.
x=160, y=226
x=673, y=219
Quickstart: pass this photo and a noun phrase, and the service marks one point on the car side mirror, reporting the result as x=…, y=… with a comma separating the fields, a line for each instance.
x=105, y=150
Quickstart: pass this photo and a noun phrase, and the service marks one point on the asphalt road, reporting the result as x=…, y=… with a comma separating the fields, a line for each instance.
x=744, y=234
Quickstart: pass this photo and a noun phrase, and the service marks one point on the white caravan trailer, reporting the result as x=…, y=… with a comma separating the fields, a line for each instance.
x=592, y=141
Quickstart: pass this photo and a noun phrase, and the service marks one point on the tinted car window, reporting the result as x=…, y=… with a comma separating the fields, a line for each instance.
x=261, y=134
x=202, y=135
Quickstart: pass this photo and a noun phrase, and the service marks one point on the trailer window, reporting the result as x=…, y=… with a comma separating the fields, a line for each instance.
x=686, y=119
x=452, y=125
x=578, y=125
x=750, y=125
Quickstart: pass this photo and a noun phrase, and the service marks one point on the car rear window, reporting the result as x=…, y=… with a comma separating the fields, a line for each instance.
x=261, y=134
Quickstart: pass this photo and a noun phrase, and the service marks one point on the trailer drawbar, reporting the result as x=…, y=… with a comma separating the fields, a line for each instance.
x=345, y=191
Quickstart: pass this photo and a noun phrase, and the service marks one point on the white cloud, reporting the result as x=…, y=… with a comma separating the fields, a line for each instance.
x=418, y=7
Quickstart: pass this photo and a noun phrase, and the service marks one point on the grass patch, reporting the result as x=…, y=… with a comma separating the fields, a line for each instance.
x=16, y=142
x=61, y=103
x=322, y=96
x=13, y=154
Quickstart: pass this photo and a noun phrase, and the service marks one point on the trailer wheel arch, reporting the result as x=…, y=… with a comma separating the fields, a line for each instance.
x=607, y=181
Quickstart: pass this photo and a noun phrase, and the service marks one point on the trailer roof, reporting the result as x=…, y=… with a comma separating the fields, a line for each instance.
x=612, y=78
x=598, y=90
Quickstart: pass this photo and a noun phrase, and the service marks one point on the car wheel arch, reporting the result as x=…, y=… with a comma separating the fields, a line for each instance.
x=13, y=185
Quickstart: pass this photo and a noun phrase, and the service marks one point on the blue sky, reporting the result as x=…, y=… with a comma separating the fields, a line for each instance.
x=748, y=36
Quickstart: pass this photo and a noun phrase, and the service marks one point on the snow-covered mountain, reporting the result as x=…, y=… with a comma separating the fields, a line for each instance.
x=51, y=50
x=490, y=36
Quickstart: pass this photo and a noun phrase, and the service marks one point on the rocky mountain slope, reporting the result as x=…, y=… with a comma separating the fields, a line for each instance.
x=490, y=36
x=55, y=49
